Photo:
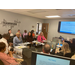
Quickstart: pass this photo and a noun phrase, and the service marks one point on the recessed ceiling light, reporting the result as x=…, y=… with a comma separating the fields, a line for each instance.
x=52, y=16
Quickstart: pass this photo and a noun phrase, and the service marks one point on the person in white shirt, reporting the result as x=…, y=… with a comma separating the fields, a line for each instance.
x=4, y=39
x=46, y=49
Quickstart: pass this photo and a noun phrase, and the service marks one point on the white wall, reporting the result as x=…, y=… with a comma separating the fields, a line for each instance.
x=26, y=22
x=53, y=28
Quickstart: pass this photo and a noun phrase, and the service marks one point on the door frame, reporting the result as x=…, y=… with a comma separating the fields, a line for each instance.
x=48, y=28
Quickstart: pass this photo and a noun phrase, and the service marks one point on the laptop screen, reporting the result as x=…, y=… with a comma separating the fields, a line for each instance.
x=49, y=59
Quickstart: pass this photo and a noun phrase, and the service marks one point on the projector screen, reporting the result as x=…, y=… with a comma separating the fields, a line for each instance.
x=67, y=27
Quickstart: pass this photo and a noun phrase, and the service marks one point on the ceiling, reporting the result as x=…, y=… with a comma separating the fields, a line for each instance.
x=41, y=13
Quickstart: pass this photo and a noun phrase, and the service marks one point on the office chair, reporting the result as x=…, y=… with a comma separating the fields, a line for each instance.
x=25, y=38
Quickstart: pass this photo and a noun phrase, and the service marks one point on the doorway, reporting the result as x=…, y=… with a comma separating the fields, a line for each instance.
x=42, y=27
x=45, y=27
x=38, y=28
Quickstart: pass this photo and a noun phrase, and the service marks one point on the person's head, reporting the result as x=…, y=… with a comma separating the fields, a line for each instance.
x=65, y=48
x=18, y=34
x=6, y=36
x=18, y=30
x=41, y=33
x=46, y=48
x=9, y=31
x=2, y=47
x=29, y=34
x=25, y=31
x=32, y=31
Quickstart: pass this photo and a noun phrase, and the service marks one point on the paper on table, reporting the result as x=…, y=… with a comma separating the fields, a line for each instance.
x=27, y=43
x=20, y=47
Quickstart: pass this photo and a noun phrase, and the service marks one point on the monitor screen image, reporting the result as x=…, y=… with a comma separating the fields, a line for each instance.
x=49, y=59
x=66, y=27
x=46, y=60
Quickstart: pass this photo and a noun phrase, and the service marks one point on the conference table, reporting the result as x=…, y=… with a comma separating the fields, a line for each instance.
x=25, y=49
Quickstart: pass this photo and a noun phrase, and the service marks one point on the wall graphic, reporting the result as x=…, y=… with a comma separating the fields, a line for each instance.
x=10, y=24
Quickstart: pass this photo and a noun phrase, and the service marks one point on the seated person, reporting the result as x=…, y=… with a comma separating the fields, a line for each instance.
x=6, y=59
x=10, y=33
x=71, y=44
x=4, y=39
x=25, y=33
x=32, y=33
x=29, y=38
x=11, y=36
x=41, y=37
x=17, y=39
x=46, y=49
x=65, y=50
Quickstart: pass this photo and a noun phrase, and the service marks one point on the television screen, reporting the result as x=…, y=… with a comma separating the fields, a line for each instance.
x=67, y=27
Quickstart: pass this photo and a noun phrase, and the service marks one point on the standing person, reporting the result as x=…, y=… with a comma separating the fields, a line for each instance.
x=25, y=33
x=20, y=33
x=17, y=39
x=41, y=37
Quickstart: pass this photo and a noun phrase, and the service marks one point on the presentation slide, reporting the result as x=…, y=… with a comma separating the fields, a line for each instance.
x=47, y=60
x=67, y=27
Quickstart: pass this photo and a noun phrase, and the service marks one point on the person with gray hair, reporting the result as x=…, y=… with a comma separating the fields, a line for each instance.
x=17, y=39
x=46, y=49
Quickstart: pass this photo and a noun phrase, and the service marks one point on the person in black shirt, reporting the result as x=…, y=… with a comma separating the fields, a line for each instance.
x=71, y=44
x=29, y=37
x=65, y=50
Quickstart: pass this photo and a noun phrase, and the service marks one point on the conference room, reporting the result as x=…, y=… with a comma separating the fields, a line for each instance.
x=37, y=37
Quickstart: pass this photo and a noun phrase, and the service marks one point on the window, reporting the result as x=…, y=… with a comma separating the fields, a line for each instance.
x=38, y=28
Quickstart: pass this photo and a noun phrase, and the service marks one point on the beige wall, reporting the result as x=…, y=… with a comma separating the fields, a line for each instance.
x=53, y=28
x=26, y=22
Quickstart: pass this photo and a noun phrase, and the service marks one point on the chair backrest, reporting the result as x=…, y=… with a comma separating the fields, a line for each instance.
x=54, y=39
x=53, y=44
x=1, y=63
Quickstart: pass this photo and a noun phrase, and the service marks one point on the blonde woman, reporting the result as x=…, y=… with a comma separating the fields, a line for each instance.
x=41, y=37
x=65, y=50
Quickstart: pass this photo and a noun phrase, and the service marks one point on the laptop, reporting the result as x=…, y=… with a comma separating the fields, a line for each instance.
x=38, y=58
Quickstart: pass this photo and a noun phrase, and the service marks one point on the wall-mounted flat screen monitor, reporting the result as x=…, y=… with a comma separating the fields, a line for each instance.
x=66, y=27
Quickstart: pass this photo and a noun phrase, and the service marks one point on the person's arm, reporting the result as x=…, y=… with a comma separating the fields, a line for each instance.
x=14, y=42
x=21, y=40
x=44, y=38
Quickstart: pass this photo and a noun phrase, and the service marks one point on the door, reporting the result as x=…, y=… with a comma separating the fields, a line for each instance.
x=45, y=27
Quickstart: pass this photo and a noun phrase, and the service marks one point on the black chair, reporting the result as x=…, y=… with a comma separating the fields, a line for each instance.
x=25, y=38
x=69, y=55
x=1, y=63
